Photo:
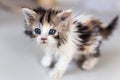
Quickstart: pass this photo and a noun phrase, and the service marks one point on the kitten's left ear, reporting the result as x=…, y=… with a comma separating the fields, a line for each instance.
x=29, y=15
x=65, y=15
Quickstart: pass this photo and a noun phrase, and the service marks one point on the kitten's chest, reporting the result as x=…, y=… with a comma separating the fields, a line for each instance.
x=50, y=48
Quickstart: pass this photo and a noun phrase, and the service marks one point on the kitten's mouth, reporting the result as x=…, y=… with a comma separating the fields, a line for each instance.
x=43, y=42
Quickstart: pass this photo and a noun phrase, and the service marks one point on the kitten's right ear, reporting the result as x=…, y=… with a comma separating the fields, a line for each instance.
x=65, y=15
x=29, y=15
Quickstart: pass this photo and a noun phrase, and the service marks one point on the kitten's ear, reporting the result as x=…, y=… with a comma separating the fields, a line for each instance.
x=65, y=15
x=29, y=15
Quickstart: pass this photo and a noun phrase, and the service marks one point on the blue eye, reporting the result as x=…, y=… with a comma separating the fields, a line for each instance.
x=52, y=31
x=37, y=31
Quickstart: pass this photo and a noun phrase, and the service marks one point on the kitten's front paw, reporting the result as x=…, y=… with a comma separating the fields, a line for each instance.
x=46, y=62
x=89, y=64
x=56, y=75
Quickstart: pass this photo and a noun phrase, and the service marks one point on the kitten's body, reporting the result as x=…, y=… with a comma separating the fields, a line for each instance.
x=74, y=38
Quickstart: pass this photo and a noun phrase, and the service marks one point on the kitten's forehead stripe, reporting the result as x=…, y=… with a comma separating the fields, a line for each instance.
x=49, y=16
x=46, y=14
x=42, y=18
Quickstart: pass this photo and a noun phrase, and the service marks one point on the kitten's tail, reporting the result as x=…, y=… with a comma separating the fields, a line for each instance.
x=106, y=32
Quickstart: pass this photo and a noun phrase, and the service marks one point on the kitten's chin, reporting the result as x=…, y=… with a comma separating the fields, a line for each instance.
x=43, y=42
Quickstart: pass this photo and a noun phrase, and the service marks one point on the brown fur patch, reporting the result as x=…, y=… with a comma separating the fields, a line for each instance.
x=106, y=31
x=92, y=23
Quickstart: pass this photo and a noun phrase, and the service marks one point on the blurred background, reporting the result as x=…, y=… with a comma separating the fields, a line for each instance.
x=20, y=56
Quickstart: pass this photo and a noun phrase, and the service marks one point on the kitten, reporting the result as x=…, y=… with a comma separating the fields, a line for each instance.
x=58, y=32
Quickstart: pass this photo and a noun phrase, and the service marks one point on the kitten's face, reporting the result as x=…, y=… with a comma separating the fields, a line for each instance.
x=45, y=25
x=45, y=33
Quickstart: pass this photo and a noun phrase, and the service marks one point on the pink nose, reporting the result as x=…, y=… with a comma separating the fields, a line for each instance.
x=43, y=39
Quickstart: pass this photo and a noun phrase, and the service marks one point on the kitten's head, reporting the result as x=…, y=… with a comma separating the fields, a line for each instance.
x=45, y=25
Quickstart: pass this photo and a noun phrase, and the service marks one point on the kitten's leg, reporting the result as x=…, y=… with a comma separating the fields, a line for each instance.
x=91, y=61
x=79, y=58
x=47, y=59
x=61, y=65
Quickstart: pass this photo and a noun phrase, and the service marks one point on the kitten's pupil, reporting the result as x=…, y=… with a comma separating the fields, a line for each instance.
x=52, y=31
x=37, y=31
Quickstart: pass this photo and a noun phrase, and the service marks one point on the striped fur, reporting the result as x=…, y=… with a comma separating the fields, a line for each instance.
x=76, y=38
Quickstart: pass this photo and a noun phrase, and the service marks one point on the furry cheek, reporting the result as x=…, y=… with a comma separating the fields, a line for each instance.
x=52, y=40
x=38, y=39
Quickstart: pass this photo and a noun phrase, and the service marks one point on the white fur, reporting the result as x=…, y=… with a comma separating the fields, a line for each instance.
x=46, y=61
x=49, y=50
